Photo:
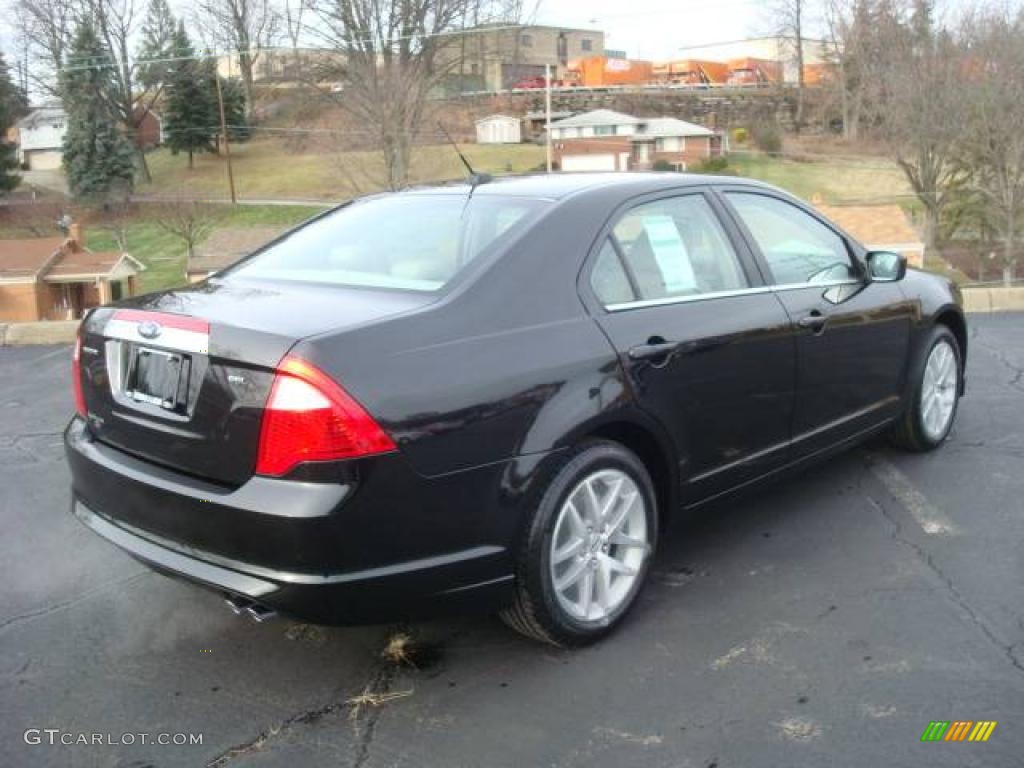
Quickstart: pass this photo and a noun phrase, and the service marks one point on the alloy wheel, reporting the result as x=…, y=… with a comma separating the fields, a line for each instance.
x=939, y=390
x=599, y=545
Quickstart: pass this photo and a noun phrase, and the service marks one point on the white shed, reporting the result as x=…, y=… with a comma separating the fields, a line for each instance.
x=498, y=129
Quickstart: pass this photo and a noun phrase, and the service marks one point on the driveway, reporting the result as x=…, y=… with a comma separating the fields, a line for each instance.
x=822, y=621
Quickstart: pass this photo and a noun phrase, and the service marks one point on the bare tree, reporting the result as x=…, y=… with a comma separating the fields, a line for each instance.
x=293, y=12
x=865, y=41
x=188, y=220
x=44, y=28
x=925, y=116
x=790, y=16
x=994, y=139
x=390, y=55
x=245, y=28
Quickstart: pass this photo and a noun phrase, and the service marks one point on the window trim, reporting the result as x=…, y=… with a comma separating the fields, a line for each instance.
x=852, y=253
x=747, y=262
x=646, y=303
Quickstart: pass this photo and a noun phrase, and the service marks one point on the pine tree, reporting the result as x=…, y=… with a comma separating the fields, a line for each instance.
x=234, y=109
x=97, y=156
x=12, y=106
x=191, y=121
x=156, y=51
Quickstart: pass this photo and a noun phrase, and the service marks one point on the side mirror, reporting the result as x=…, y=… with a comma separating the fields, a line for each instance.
x=886, y=266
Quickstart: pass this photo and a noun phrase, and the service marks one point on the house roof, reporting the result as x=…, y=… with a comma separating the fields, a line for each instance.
x=488, y=118
x=226, y=246
x=57, y=259
x=85, y=264
x=41, y=115
x=874, y=225
x=660, y=127
x=27, y=258
x=597, y=117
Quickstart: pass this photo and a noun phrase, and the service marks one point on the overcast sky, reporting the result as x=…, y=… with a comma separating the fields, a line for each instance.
x=656, y=29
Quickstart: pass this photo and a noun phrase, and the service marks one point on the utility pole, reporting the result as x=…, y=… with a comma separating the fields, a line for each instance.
x=547, y=110
x=224, y=133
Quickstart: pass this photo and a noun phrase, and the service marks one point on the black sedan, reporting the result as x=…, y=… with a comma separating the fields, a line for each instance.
x=495, y=396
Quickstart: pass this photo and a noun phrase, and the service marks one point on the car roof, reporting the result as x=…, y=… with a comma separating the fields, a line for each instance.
x=555, y=186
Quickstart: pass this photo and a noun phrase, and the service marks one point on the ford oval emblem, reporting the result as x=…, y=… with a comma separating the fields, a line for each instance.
x=149, y=329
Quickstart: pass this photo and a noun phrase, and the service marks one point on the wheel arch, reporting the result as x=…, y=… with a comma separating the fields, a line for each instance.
x=952, y=318
x=652, y=450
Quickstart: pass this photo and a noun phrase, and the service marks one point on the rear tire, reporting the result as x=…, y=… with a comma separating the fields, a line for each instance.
x=586, y=553
x=935, y=381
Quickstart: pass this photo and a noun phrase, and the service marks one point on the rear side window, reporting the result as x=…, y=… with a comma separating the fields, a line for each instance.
x=666, y=249
x=408, y=242
x=797, y=247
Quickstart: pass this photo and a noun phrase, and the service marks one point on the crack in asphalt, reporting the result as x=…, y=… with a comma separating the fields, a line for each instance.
x=380, y=683
x=1017, y=382
x=90, y=593
x=257, y=743
x=897, y=535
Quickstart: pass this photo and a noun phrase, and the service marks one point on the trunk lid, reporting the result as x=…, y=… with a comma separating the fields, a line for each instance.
x=181, y=378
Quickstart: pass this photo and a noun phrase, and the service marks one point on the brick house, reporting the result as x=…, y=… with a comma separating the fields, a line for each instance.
x=604, y=140
x=56, y=278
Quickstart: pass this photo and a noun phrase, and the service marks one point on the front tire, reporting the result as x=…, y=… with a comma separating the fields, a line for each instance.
x=937, y=382
x=586, y=554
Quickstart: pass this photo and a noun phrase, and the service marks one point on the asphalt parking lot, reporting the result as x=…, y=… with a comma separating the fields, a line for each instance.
x=822, y=621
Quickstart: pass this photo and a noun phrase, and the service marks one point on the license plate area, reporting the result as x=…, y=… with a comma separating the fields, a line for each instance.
x=158, y=377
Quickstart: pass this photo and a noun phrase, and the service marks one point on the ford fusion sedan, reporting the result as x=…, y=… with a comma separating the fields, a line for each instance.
x=495, y=397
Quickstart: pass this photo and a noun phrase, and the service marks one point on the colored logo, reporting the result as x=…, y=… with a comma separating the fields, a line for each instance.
x=958, y=730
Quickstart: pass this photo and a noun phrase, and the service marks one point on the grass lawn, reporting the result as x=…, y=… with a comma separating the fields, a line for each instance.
x=266, y=169
x=164, y=254
x=835, y=181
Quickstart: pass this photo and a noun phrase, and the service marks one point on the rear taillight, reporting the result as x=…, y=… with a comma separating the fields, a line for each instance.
x=309, y=417
x=76, y=376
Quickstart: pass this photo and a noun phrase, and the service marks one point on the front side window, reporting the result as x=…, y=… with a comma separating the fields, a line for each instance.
x=666, y=249
x=406, y=242
x=604, y=130
x=797, y=247
x=587, y=44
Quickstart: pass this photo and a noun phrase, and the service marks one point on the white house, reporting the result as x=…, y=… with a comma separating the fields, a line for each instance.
x=498, y=129
x=40, y=137
x=603, y=140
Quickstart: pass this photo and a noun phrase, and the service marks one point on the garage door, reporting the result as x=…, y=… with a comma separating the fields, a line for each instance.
x=588, y=163
x=44, y=160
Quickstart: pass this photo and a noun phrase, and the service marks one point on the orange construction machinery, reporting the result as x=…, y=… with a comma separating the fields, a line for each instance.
x=691, y=72
x=817, y=74
x=750, y=71
x=602, y=71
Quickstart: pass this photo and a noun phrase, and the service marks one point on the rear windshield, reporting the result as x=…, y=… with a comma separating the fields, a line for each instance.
x=410, y=242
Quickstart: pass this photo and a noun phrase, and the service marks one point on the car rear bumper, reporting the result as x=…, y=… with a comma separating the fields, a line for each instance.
x=387, y=544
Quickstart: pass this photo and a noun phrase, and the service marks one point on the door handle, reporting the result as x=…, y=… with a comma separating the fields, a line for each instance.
x=656, y=346
x=814, y=320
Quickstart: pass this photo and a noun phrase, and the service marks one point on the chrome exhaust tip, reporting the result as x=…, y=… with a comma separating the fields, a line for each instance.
x=238, y=605
x=243, y=606
x=260, y=613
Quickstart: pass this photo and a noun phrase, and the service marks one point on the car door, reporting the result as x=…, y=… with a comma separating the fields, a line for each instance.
x=852, y=334
x=706, y=346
